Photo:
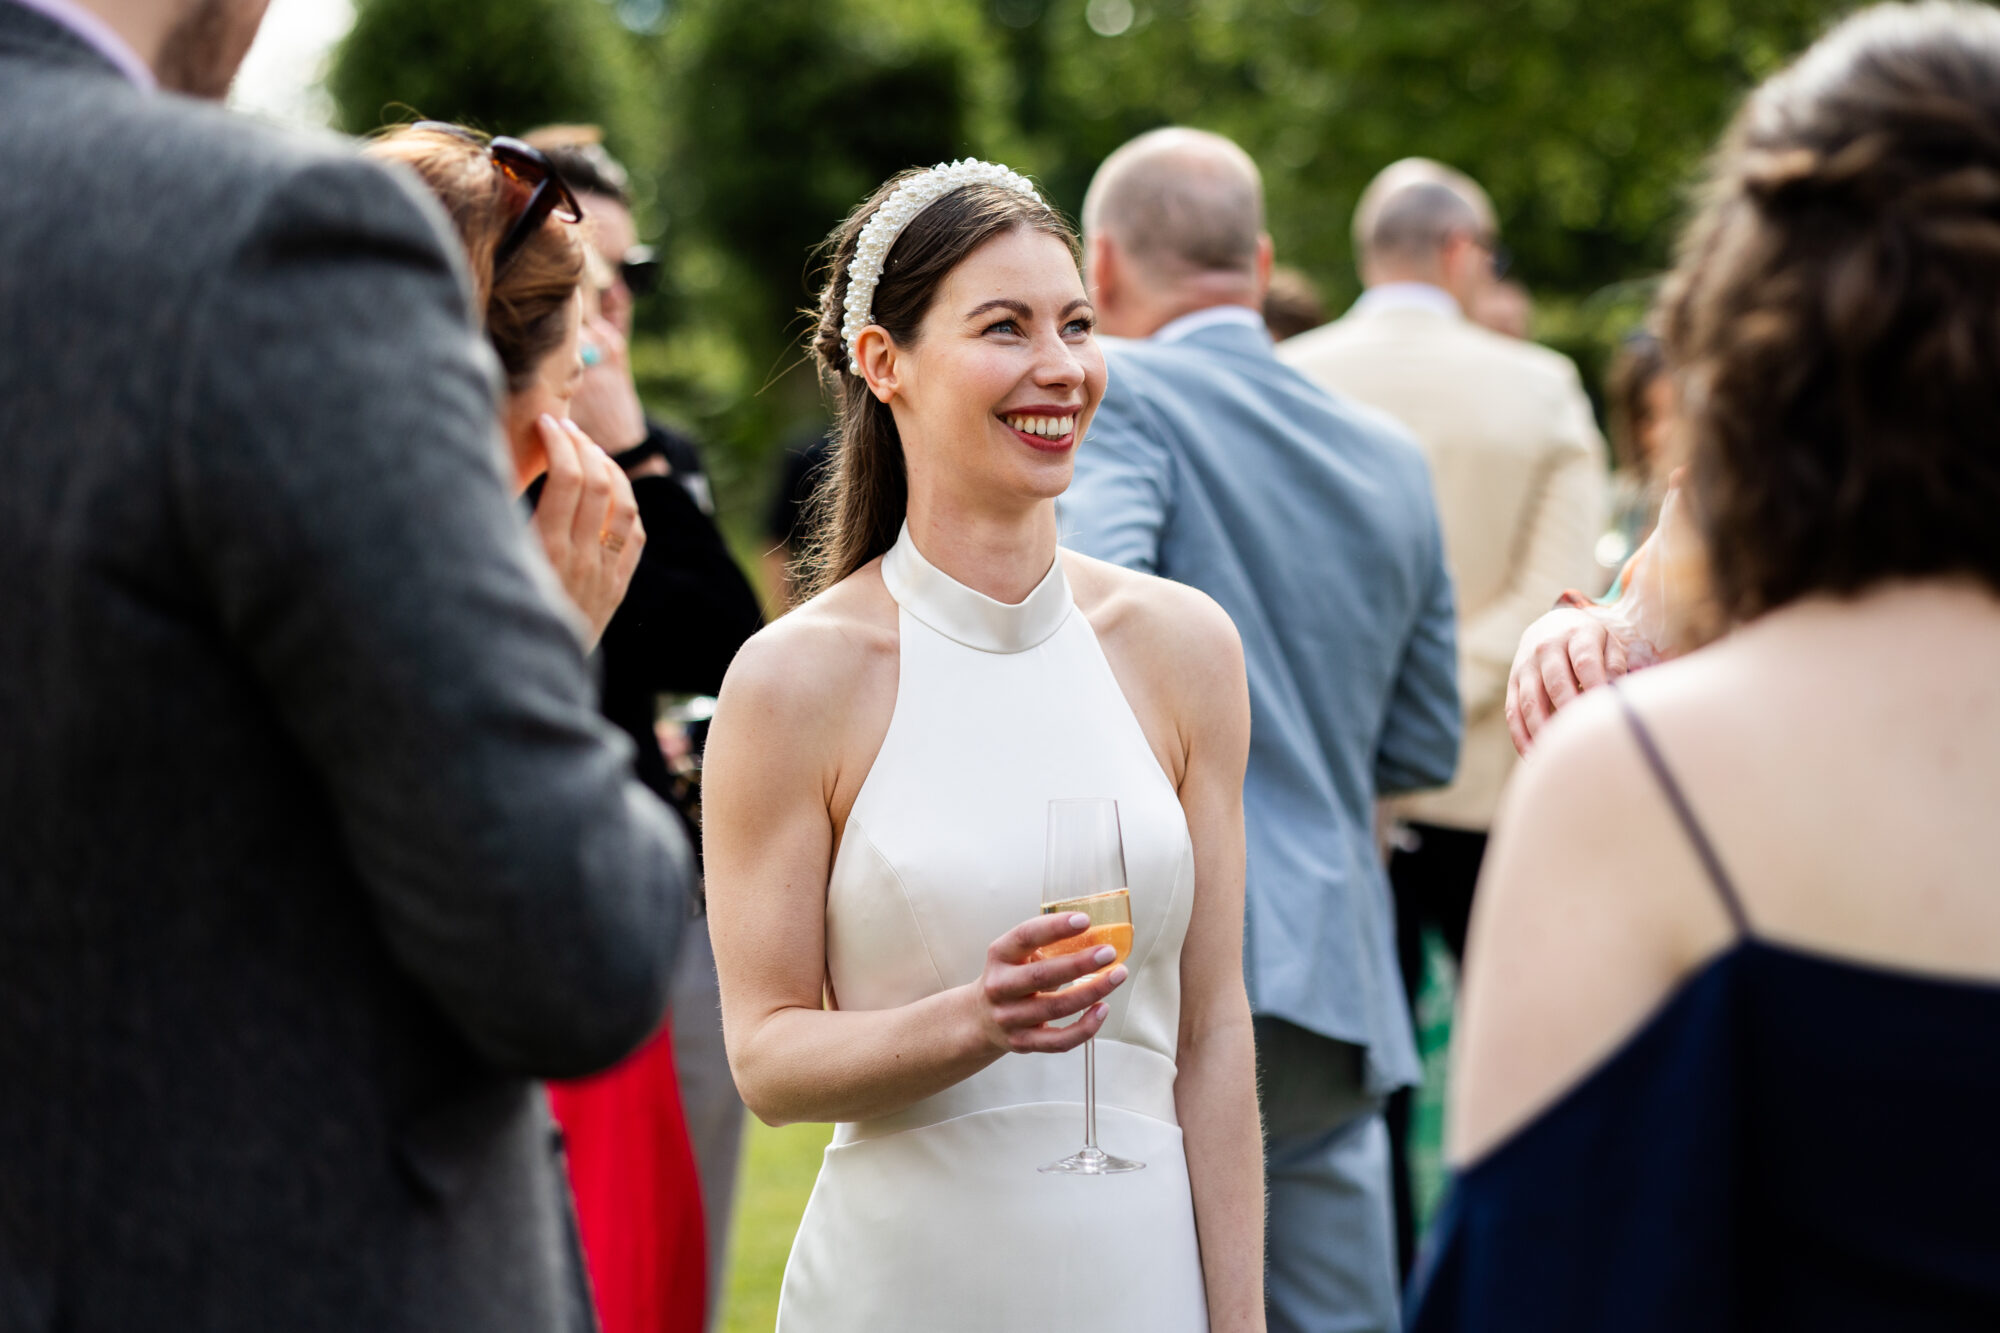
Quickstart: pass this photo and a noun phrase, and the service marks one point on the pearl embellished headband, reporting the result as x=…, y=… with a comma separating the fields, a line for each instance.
x=879, y=233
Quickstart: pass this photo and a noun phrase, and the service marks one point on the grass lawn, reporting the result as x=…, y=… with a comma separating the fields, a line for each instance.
x=778, y=1170
x=1434, y=1005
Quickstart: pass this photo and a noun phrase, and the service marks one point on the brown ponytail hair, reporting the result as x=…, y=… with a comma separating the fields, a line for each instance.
x=525, y=309
x=1834, y=321
x=858, y=509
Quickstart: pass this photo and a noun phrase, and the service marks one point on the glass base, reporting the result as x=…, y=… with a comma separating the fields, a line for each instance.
x=1091, y=1162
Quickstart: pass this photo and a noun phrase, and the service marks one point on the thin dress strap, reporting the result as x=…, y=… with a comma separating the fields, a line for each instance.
x=1731, y=900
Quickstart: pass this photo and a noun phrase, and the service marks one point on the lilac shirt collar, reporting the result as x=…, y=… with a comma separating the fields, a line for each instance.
x=95, y=32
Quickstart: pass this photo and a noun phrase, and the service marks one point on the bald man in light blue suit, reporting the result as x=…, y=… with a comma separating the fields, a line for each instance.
x=1310, y=519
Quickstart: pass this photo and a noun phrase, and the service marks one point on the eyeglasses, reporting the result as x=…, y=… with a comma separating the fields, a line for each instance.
x=1498, y=255
x=525, y=168
x=640, y=268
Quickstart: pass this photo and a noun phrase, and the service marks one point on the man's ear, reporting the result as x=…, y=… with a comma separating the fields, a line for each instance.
x=1101, y=271
x=1466, y=268
x=1266, y=256
x=877, y=354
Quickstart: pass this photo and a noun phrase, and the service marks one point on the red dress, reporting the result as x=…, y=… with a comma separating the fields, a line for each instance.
x=638, y=1194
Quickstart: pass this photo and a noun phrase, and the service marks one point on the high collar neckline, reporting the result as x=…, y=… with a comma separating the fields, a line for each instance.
x=968, y=616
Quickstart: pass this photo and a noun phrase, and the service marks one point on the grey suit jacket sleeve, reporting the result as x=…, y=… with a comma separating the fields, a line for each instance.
x=1118, y=504
x=1424, y=727
x=339, y=475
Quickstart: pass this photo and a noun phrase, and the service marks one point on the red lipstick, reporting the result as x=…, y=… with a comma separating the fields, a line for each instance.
x=1037, y=425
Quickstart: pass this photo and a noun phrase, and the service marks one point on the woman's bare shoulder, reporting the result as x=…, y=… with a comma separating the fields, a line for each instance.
x=1177, y=656
x=1179, y=627
x=1590, y=911
x=1589, y=776
x=826, y=649
x=1587, y=810
x=1591, y=763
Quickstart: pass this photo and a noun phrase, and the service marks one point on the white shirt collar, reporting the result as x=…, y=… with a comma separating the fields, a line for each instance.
x=1190, y=324
x=1407, y=296
x=99, y=35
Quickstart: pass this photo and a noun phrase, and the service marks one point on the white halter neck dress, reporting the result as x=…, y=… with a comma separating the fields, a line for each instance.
x=935, y=1218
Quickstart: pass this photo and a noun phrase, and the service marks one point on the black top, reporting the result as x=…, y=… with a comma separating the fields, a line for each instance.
x=804, y=469
x=687, y=611
x=683, y=458
x=1792, y=1142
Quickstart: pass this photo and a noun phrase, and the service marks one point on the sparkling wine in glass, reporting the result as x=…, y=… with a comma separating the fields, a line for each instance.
x=1085, y=872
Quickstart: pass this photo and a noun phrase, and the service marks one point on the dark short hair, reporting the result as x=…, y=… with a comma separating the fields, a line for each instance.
x=578, y=152
x=1834, y=320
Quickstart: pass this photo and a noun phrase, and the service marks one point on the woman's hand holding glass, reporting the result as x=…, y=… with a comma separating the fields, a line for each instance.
x=1022, y=993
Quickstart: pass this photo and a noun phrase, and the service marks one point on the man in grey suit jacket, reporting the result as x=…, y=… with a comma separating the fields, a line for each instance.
x=316, y=853
x=1311, y=521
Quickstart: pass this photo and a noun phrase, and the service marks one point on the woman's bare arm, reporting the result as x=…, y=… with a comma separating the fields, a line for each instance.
x=770, y=775
x=1215, y=1091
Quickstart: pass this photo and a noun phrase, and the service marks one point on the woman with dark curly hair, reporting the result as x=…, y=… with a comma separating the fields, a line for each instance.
x=1726, y=1054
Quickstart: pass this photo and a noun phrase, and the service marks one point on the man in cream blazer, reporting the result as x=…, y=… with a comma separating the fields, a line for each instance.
x=1517, y=462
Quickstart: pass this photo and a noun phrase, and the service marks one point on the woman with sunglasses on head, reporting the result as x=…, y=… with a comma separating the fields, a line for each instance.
x=517, y=221
x=632, y=1169
x=1725, y=1057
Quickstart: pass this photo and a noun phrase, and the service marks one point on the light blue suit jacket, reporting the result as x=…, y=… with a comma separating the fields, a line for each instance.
x=1310, y=519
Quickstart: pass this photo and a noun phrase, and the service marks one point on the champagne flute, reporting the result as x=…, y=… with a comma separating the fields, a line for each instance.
x=1085, y=872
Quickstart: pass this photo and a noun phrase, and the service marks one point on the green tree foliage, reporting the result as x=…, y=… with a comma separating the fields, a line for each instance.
x=792, y=111
x=764, y=123
x=785, y=115
x=502, y=65
x=1585, y=122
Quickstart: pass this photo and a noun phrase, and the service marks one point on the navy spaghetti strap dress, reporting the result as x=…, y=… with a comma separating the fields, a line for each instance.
x=1791, y=1142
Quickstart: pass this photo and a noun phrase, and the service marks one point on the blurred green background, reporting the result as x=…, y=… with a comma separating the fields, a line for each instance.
x=755, y=125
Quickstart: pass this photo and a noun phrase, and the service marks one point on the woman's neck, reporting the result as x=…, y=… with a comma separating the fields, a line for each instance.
x=1004, y=555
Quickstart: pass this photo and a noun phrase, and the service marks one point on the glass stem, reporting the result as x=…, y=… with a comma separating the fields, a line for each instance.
x=1090, y=1095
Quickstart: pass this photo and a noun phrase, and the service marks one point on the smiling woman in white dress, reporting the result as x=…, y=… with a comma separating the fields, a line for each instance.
x=877, y=780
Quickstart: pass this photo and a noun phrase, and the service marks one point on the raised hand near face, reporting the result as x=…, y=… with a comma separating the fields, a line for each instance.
x=607, y=404
x=1566, y=652
x=588, y=523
